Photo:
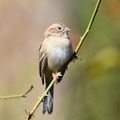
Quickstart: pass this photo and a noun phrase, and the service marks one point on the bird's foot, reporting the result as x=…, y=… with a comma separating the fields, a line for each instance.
x=56, y=75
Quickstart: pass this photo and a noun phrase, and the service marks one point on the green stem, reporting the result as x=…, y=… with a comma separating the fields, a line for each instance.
x=40, y=99
x=88, y=27
x=11, y=96
x=17, y=96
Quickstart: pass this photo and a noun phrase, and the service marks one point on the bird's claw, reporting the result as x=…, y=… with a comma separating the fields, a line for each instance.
x=56, y=75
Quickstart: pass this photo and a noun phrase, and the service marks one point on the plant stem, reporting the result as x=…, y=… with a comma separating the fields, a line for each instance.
x=88, y=27
x=17, y=96
x=40, y=99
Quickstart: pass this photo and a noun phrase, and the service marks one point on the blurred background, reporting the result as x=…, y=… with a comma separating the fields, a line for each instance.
x=90, y=89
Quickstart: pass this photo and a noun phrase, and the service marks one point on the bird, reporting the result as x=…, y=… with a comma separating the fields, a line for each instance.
x=54, y=51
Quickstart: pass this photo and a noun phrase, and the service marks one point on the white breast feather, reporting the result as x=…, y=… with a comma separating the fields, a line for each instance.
x=58, y=55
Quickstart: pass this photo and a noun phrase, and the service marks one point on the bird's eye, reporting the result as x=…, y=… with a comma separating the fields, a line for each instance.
x=59, y=28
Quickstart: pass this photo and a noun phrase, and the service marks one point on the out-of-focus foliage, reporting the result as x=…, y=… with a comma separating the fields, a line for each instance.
x=90, y=88
x=95, y=84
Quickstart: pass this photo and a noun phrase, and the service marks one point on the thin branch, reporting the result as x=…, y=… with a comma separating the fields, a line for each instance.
x=40, y=99
x=30, y=114
x=88, y=27
x=17, y=96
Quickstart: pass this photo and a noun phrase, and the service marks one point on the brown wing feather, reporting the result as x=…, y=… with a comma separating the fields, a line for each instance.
x=42, y=63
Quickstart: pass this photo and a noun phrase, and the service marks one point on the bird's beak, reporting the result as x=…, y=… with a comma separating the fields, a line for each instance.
x=67, y=29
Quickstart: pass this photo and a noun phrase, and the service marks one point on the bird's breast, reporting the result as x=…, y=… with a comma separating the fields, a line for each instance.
x=59, y=51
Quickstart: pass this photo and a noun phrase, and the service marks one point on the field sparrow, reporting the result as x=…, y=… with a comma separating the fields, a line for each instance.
x=55, y=50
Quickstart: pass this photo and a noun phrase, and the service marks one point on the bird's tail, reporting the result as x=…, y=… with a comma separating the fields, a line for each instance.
x=48, y=100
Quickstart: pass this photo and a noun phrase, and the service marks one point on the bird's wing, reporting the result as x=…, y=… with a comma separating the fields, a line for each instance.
x=42, y=62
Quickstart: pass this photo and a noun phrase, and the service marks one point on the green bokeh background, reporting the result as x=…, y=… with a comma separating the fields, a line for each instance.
x=90, y=89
